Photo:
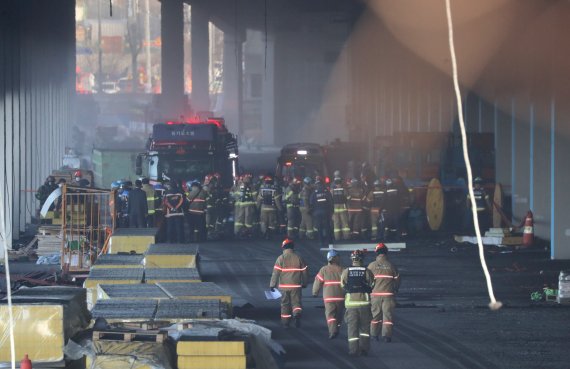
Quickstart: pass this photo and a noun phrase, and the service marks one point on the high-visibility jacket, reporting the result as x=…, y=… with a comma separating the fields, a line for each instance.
x=357, y=299
x=173, y=202
x=329, y=279
x=386, y=277
x=289, y=272
x=150, y=198
x=197, y=201
x=356, y=198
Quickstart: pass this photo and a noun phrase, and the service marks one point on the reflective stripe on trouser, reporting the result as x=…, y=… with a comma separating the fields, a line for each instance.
x=239, y=218
x=355, y=219
x=293, y=221
x=374, y=216
x=268, y=220
x=340, y=222
x=306, y=226
x=358, y=323
x=382, y=313
x=333, y=314
x=290, y=303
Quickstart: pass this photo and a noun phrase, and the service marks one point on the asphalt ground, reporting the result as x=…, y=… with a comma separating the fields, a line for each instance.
x=442, y=319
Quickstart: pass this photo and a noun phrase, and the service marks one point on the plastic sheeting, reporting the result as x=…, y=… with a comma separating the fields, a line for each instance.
x=130, y=355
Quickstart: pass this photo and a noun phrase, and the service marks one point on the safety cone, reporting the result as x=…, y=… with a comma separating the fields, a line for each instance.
x=528, y=231
x=26, y=363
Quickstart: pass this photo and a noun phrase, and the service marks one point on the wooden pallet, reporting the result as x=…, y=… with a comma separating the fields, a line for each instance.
x=146, y=326
x=149, y=336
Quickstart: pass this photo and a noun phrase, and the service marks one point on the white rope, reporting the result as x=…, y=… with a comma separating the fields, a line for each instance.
x=494, y=304
x=8, y=287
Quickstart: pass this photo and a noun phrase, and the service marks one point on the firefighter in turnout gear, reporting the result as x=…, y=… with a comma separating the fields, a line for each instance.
x=197, y=212
x=269, y=203
x=306, y=228
x=292, y=202
x=358, y=282
x=483, y=204
x=151, y=199
x=386, y=285
x=375, y=200
x=321, y=204
x=356, y=197
x=340, y=215
x=174, y=213
x=333, y=295
x=290, y=275
x=391, y=211
x=45, y=190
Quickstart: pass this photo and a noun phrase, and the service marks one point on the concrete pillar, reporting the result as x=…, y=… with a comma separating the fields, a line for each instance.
x=232, y=100
x=173, y=101
x=268, y=96
x=200, y=58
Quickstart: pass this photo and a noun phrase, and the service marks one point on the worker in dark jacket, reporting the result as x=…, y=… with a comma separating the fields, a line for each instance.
x=321, y=204
x=174, y=213
x=137, y=206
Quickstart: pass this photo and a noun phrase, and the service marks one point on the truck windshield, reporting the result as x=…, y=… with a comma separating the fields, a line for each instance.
x=302, y=169
x=184, y=169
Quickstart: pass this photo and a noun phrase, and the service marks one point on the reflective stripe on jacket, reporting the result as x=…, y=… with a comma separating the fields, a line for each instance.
x=289, y=271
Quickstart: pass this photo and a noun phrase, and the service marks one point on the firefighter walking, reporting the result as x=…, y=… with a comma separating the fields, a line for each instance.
x=268, y=204
x=328, y=278
x=386, y=285
x=375, y=200
x=290, y=276
x=340, y=215
x=356, y=197
x=306, y=228
x=358, y=282
x=292, y=201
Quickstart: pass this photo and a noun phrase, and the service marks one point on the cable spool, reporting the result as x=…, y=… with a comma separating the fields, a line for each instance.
x=435, y=205
x=497, y=200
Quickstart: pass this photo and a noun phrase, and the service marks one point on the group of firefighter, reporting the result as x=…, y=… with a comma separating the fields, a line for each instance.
x=363, y=296
x=364, y=208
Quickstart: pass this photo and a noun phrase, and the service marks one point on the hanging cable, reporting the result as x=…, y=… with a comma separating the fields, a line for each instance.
x=7, y=220
x=494, y=304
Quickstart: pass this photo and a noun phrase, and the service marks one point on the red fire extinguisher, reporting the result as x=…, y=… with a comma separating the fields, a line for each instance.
x=26, y=363
x=528, y=230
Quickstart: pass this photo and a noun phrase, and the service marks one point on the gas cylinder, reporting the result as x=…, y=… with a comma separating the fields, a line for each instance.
x=26, y=363
x=528, y=231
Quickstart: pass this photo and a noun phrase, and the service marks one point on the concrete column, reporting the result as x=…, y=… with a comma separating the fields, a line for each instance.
x=200, y=58
x=232, y=100
x=268, y=96
x=172, y=52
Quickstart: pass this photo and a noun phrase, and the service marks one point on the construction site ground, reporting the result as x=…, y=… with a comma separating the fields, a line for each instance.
x=442, y=319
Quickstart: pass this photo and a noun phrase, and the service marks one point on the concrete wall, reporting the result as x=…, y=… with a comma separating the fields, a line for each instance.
x=37, y=89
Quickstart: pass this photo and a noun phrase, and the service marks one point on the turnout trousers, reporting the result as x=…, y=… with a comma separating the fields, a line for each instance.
x=382, y=312
x=333, y=314
x=306, y=228
x=340, y=223
x=358, y=321
x=268, y=220
x=290, y=304
x=374, y=217
x=293, y=221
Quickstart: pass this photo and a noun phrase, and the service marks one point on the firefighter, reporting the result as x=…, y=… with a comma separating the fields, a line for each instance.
x=358, y=282
x=282, y=186
x=386, y=285
x=340, y=216
x=290, y=275
x=211, y=209
x=405, y=203
x=375, y=200
x=249, y=206
x=268, y=204
x=483, y=205
x=321, y=204
x=79, y=180
x=391, y=211
x=196, y=200
x=292, y=201
x=174, y=213
x=151, y=198
x=306, y=229
x=333, y=295
x=137, y=206
x=123, y=203
x=238, y=193
x=356, y=197
x=45, y=190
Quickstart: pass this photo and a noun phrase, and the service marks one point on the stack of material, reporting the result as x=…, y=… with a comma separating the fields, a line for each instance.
x=134, y=355
x=99, y=276
x=163, y=275
x=123, y=310
x=564, y=287
x=207, y=353
x=119, y=261
x=44, y=319
x=165, y=255
x=150, y=310
x=131, y=292
x=129, y=240
x=199, y=291
x=49, y=240
x=178, y=311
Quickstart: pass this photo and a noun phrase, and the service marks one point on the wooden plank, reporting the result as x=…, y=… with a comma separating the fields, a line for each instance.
x=130, y=336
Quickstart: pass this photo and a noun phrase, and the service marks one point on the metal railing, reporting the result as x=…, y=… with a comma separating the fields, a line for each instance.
x=88, y=220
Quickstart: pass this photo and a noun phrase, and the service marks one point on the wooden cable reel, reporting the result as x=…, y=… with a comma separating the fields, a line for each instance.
x=435, y=205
